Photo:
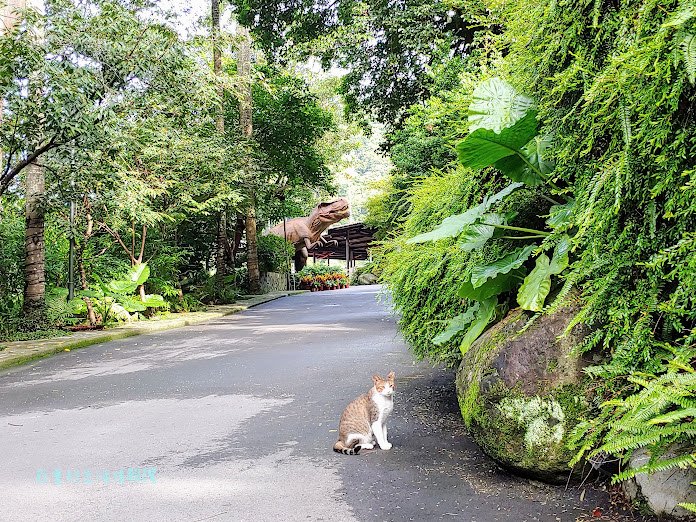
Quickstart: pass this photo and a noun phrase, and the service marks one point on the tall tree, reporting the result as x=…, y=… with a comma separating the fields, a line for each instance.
x=222, y=242
x=34, y=303
x=64, y=75
x=247, y=130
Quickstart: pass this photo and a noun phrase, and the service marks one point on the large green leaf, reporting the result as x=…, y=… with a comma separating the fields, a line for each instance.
x=120, y=287
x=559, y=261
x=537, y=152
x=139, y=274
x=90, y=293
x=484, y=314
x=131, y=304
x=485, y=147
x=536, y=286
x=456, y=325
x=561, y=216
x=476, y=235
x=527, y=165
x=499, y=284
x=454, y=225
x=481, y=273
x=495, y=105
x=450, y=226
x=155, y=301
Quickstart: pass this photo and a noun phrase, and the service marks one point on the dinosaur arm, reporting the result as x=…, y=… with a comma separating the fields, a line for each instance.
x=326, y=240
x=309, y=244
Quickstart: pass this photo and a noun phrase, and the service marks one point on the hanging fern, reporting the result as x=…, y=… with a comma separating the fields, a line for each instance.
x=688, y=47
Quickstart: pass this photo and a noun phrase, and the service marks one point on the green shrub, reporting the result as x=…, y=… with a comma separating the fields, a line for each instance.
x=319, y=269
x=274, y=253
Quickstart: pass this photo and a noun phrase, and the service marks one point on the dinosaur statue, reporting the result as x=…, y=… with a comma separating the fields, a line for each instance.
x=307, y=232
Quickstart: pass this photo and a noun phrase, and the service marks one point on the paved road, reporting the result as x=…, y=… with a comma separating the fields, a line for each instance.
x=235, y=419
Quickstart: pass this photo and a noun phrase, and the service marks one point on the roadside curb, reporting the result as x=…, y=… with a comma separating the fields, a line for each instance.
x=20, y=352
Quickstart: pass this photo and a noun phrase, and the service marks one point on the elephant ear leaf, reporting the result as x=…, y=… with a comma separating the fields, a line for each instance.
x=131, y=304
x=483, y=317
x=155, y=301
x=528, y=163
x=476, y=235
x=537, y=152
x=561, y=216
x=139, y=274
x=496, y=286
x=537, y=284
x=456, y=325
x=120, y=287
x=454, y=225
x=481, y=273
x=484, y=147
x=495, y=105
x=450, y=227
x=559, y=262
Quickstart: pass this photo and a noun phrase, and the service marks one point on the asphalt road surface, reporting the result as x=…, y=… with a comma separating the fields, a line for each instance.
x=235, y=420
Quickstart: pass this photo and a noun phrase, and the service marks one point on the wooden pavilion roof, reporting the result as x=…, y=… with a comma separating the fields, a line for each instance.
x=359, y=238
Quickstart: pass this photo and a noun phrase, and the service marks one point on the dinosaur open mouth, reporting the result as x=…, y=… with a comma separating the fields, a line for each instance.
x=339, y=210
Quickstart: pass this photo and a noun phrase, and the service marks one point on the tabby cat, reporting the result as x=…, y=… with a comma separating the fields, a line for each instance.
x=365, y=419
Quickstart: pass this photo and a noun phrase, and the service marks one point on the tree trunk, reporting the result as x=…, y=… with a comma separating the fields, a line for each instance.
x=80, y=253
x=252, y=252
x=34, y=308
x=238, y=235
x=83, y=284
x=245, y=123
x=222, y=246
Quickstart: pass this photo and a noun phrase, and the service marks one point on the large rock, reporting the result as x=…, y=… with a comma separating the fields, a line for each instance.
x=663, y=491
x=120, y=313
x=521, y=392
x=367, y=279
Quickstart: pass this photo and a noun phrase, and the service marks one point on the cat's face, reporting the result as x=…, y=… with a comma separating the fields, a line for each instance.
x=386, y=386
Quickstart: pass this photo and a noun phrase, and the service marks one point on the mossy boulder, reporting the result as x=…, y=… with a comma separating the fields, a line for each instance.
x=521, y=390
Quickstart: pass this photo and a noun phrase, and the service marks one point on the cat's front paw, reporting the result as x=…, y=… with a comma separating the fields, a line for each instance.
x=386, y=446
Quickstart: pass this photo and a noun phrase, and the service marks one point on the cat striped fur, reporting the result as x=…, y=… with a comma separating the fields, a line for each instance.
x=364, y=419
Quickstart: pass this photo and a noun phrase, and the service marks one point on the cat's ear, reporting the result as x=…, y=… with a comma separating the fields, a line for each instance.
x=390, y=377
x=376, y=378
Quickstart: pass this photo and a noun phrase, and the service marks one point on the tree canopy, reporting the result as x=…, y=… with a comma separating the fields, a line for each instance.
x=395, y=54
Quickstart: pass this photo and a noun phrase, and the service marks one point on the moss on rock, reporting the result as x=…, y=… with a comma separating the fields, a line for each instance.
x=521, y=390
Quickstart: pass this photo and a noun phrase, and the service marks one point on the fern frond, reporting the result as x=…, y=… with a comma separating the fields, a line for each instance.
x=681, y=461
x=626, y=442
x=688, y=48
x=689, y=506
x=625, y=120
x=681, y=16
x=674, y=416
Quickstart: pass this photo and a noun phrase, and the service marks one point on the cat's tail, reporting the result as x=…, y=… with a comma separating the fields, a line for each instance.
x=339, y=447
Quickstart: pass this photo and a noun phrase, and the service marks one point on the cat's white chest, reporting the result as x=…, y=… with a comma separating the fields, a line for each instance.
x=385, y=405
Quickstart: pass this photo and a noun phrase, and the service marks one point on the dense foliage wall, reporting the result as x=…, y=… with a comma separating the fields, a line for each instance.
x=613, y=84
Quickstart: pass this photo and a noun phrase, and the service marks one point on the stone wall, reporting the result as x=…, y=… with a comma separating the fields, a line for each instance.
x=273, y=282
